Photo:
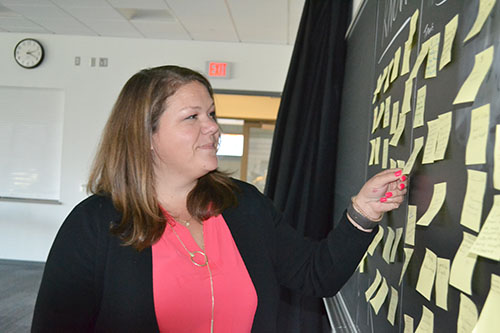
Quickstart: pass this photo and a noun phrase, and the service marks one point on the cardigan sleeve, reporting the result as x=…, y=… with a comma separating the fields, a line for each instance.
x=317, y=268
x=68, y=299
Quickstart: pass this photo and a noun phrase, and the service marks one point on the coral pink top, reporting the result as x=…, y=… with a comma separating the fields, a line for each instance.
x=182, y=292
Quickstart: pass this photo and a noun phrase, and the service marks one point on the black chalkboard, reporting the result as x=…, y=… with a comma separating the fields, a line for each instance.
x=380, y=28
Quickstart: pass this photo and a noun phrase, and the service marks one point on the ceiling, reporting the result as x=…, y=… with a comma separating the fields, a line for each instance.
x=235, y=21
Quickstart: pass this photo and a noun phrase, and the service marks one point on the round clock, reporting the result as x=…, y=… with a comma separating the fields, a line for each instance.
x=28, y=53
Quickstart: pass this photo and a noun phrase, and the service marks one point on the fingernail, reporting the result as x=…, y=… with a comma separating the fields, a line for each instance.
x=383, y=199
x=388, y=194
x=401, y=186
x=398, y=173
x=403, y=178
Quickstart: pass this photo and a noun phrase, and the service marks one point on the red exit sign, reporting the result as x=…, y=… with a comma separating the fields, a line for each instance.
x=218, y=69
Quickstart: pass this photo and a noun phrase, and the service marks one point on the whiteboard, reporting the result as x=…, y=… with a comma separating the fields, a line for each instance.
x=31, y=126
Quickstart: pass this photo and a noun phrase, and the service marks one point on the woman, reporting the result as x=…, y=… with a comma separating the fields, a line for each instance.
x=168, y=243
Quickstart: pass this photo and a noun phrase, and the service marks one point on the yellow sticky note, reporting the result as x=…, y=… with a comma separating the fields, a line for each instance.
x=393, y=306
x=450, y=31
x=395, y=66
x=380, y=297
x=427, y=274
x=426, y=324
x=372, y=152
x=487, y=243
x=475, y=152
x=496, y=159
x=408, y=324
x=376, y=119
x=410, y=225
x=394, y=249
x=361, y=265
x=442, y=280
x=408, y=253
x=377, y=88
x=388, y=76
x=431, y=141
x=399, y=130
x=394, y=117
x=405, y=67
x=422, y=54
x=444, y=135
x=377, y=151
x=417, y=146
x=432, y=56
x=388, y=244
x=485, y=7
x=469, y=89
x=392, y=163
x=385, y=153
x=467, y=315
x=472, y=207
x=463, y=264
x=387, y=113
x=371, y=289
x=489, y=320
x=376, y=240
x=406, y=106
x=420, y=108
x=401, y=164
x=438, y=197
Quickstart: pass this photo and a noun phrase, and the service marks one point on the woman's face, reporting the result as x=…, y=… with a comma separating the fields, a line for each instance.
x=186, y=139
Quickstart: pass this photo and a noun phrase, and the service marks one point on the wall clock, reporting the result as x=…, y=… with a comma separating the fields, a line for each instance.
x=29, y=53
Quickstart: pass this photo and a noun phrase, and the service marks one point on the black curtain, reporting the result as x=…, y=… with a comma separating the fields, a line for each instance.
x=301, y=172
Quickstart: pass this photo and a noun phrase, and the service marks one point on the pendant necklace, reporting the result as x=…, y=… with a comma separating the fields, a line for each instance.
x=202, y=263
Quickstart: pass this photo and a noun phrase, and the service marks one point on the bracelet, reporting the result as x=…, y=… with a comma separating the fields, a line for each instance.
x=360, y=217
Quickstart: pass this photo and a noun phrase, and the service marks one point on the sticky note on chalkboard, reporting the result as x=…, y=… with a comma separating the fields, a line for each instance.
x=485, y=7
x=426, y=324
x=475, y=152
x=467, y=314
x=472, y=207
x=410, y=225
x=393, y=306
x=487, y=243
x=438, y=197
x=371, y=289
x=408, y=253
x=408, y=324
x=376, y=240
x=469, y=89
x=489, y=320
x=418, y=120
x=442, y=282
x=380, y=297
x=463, y=264
x=450, y=31
x=388, y=244
x=427, y=274
x=417, y=146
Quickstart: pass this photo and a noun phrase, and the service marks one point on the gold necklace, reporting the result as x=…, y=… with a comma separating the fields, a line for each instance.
x=192, y=256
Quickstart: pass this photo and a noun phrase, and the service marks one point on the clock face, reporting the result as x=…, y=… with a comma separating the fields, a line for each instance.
x=28, y=53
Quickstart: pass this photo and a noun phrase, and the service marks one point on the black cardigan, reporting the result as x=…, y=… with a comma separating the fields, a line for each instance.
x=93, y=283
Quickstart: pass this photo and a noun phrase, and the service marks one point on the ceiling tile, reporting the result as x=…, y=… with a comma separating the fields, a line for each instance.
x=68, y=26
x=80, y=3
x=26, y=2
x=35, y=11
x=261, y=21
x=94, y=13
x=205, y=19
x=113, y=28
x=161, y=30
x=19, y=24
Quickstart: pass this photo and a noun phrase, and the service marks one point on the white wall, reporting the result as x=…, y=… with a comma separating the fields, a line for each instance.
x=28, y=229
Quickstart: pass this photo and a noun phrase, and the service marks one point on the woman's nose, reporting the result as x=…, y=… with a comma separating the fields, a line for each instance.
x=210, y=126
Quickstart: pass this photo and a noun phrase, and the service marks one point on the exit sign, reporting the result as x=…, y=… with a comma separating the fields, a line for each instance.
x=218, y=69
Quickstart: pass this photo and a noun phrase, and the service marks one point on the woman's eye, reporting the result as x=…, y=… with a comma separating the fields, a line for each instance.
x=193, y=116
x=212, y=115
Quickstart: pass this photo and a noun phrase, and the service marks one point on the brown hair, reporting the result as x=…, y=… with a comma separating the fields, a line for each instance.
x=123, y=165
